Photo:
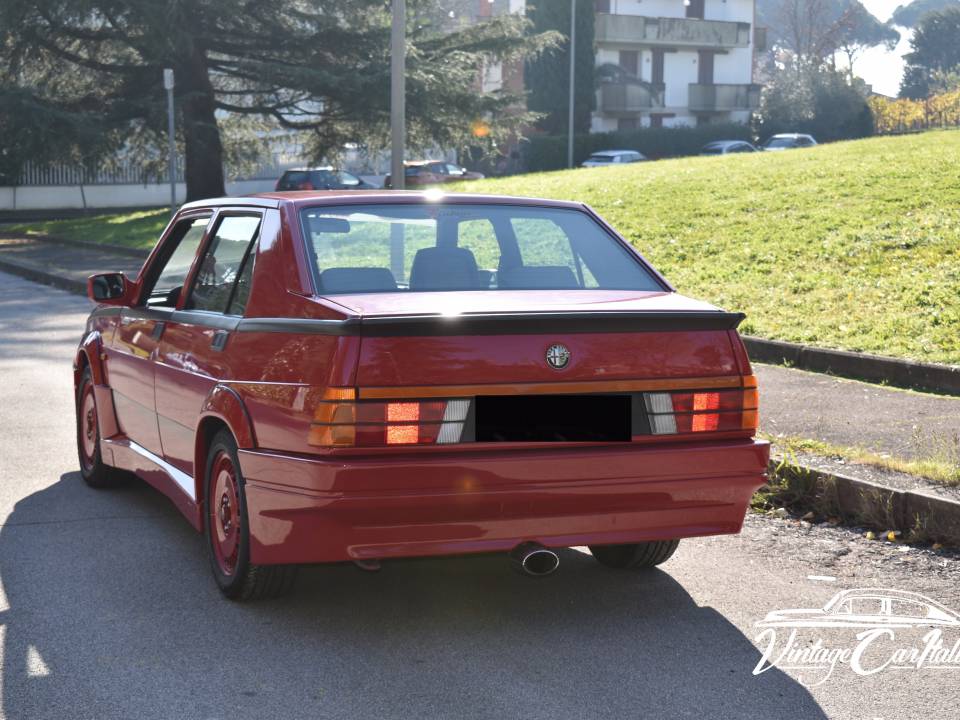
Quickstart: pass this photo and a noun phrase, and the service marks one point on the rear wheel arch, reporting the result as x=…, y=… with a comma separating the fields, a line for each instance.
x=222, y=410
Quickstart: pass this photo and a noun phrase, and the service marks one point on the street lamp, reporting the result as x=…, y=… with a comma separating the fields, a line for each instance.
x=573, y=53
x=171, y=140
x=398, y=49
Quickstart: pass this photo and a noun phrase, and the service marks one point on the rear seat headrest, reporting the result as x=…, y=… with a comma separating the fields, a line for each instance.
x=357, y=279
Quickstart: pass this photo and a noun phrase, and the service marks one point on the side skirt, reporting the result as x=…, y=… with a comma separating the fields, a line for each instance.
x=175, y=484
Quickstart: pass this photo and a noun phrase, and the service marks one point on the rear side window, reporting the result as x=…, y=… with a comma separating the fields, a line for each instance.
x=294, y=181
x=223, y=278
x=434, y=247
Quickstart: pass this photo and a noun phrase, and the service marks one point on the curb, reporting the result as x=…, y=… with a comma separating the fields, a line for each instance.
x=102, y=247
x=864, y=502
x=859, y=366
x=31, y=273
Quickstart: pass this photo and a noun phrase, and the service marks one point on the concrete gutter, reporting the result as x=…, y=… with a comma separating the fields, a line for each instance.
x=859, y=366
x=931, y=510
x=36, y=275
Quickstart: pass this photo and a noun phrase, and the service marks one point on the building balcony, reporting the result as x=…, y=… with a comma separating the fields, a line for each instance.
x=723, y=98
x=670, y=32
x=624, y=98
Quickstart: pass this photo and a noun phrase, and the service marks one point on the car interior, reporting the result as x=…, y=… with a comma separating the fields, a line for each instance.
x=358, y=250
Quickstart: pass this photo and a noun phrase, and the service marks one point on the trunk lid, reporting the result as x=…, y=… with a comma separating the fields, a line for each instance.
x=463, y=339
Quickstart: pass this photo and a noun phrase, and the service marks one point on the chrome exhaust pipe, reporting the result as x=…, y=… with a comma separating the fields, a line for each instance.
x=533, y=559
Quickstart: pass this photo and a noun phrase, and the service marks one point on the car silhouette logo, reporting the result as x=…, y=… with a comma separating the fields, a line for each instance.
x=558, y=356
x=866, y=608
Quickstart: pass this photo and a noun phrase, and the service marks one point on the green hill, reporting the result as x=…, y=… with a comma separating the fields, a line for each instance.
x=852, y=245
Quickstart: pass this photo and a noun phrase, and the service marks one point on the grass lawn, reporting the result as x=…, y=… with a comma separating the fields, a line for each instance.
x=139, y=229
x=853, y=245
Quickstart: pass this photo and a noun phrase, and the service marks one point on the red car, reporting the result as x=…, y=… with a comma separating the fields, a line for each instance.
x=333, y=376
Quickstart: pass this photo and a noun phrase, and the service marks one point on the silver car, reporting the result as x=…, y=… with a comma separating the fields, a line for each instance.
x=604, y=158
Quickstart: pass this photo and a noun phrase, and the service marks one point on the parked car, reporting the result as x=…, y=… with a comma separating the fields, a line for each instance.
x=517, y=380
x=726, y=147
x=323, y=178
x=434, y=172
x=789, y=141
x=612, y=157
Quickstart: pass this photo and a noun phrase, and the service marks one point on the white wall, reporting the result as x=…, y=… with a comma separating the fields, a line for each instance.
x=102, y=196
x=733, y=68
x=732, y=10
x=679, y=70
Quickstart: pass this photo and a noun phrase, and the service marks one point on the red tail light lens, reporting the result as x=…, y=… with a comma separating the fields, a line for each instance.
x=350, y=423
x=708, y=411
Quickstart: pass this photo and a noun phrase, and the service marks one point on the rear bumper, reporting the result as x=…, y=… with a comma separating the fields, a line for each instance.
x=320, y=510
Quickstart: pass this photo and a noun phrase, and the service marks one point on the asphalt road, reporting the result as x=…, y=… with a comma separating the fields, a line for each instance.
x=107, y=609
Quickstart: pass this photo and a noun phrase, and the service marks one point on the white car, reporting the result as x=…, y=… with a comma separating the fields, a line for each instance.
x=726, y=147
x=788, y=141
x=867, y=607
x=613, y=157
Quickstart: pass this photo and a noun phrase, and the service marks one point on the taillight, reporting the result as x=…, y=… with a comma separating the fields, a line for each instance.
x=703, y=411
x=343, y=421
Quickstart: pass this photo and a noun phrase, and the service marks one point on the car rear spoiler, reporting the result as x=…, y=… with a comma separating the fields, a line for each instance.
x=500, y=323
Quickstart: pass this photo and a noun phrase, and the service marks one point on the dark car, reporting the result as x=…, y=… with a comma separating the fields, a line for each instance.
x=325, y=178
x=434, y=172
x=789, y=141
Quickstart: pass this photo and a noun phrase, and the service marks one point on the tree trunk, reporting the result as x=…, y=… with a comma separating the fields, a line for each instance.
x=204, y=152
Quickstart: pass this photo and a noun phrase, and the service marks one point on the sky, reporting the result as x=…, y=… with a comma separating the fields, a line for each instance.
x=880, y=67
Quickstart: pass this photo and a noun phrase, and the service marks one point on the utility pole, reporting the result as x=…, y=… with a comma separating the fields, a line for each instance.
x=573, y=55
x=398, y=49
x=171, y=139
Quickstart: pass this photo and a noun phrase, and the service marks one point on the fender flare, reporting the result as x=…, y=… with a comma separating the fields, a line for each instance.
x=223, y=406
x=91, y=348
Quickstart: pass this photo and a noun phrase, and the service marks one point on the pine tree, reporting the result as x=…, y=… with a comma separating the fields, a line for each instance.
x=317, y=66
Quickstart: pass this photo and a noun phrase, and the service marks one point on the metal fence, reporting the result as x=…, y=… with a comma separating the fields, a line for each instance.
x=129, y=172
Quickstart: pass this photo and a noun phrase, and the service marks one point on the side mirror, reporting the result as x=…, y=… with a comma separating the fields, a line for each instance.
x=108, y=288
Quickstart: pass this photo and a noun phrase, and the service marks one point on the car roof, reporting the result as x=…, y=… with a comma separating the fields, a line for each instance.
x=613, y=152
x=724, y=143
x=887, y=593
x=792, y=136
x=309, y=169
x=308, y=198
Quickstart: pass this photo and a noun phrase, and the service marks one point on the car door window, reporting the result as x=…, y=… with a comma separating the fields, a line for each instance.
x=223, y=268
x=543, y=243
x=165, y=290
x=479, y=237
x=866, y=606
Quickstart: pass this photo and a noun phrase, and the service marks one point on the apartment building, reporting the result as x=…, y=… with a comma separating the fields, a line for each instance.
x=665, y=63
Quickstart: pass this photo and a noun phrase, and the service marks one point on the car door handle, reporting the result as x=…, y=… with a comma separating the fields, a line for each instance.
x=219, y=341
x=157, y=330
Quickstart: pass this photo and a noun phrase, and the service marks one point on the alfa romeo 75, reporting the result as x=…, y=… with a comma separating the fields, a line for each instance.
x=327, y=376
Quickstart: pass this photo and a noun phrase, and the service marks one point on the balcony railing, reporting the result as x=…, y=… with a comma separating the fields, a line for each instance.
x=620, y=98
x=673, y=32
x=721, y=98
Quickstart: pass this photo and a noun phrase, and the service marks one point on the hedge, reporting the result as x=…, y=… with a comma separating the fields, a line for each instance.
x=549, y=152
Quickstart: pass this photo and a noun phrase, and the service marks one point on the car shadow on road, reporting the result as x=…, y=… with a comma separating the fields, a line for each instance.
x=111, y=612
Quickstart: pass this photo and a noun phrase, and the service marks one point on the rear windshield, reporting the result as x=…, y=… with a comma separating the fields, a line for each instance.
x=435, y=247
x=601, y=158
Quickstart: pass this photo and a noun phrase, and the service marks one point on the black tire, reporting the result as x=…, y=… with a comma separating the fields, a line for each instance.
x=640, y=555
x=94, y=471
x=245, y=581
